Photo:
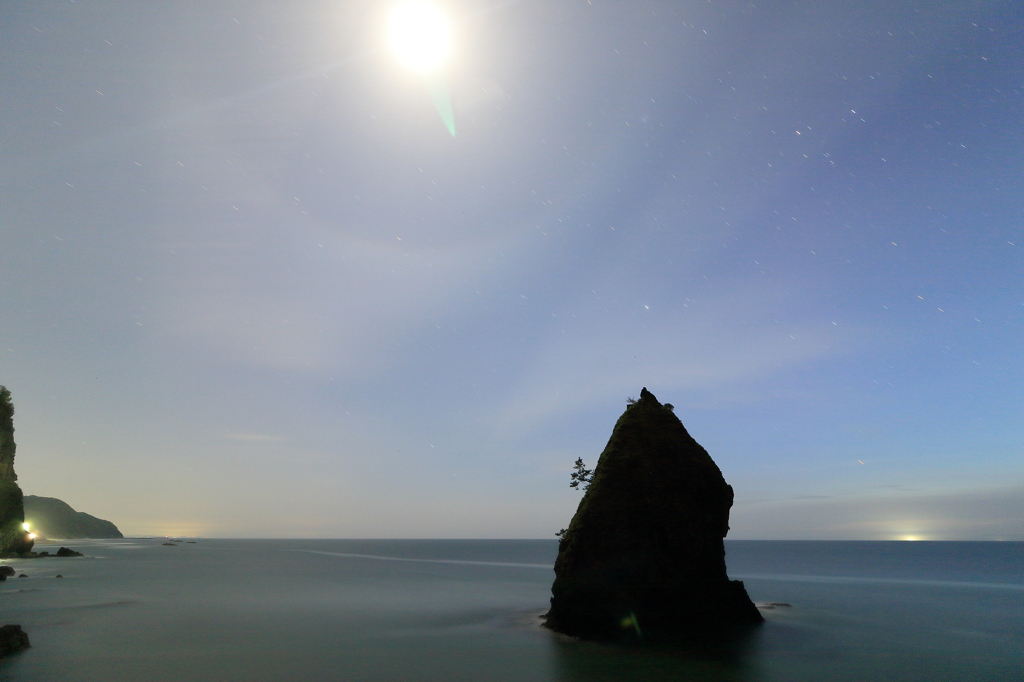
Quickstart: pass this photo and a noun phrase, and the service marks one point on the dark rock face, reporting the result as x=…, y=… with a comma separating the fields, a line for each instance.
x=13, y=537
x=12, y=639
x=53, y=518
x=644, y=554
x=65, y=552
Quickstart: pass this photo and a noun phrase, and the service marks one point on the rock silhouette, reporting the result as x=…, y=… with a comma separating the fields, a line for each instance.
x=12, y=639
x=52, y=518
x=14, y=539
x=644, y=555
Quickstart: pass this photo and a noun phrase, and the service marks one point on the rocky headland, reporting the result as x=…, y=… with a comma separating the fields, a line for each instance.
x=644, y=555
x=14, y=538
x=52, y=518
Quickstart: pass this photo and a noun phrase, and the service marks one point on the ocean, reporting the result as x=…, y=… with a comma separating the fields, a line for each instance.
x=355, y=610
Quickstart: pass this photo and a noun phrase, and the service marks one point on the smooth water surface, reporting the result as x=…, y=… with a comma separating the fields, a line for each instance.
x=467, y=610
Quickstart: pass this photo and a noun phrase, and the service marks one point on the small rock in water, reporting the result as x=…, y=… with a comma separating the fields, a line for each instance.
x=6, y=571
x=43, y=554
x=12, y=639
x=59, y=576
x=169, y=544
x=65, y=552
x=22, y=576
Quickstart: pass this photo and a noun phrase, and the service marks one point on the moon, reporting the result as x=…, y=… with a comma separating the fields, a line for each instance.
x=420, y=35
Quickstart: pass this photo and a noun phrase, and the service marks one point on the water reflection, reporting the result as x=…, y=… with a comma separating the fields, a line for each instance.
x=731, y=661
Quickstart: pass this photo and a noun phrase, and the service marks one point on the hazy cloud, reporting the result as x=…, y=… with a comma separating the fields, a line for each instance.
x=980, y=514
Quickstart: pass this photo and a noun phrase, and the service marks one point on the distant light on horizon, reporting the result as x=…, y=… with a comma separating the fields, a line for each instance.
x=420, y=35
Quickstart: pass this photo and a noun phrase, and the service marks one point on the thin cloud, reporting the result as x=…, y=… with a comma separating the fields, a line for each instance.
x=681, y=355
x=253, y=437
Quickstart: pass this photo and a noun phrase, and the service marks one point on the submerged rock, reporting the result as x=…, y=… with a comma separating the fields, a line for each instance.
x=12, y=639
x=644, y=555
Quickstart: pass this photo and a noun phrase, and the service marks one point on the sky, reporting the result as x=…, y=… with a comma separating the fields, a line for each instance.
x=251, y=286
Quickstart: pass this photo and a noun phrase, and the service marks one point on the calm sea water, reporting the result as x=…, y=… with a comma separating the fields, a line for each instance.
x=357, y=610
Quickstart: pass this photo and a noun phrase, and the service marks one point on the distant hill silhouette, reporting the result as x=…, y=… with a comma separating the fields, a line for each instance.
x=53, y=518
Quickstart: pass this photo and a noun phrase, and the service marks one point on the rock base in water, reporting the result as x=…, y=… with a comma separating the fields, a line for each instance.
x=12, y=640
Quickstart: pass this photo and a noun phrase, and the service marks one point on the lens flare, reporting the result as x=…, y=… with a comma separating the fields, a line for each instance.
x=420, y=35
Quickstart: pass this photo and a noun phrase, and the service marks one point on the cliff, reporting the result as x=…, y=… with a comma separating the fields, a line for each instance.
x=13, y=537
x=644, y=555
x=53, y=518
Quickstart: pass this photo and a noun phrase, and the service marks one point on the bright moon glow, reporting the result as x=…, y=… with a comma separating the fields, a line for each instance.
x=420, y=35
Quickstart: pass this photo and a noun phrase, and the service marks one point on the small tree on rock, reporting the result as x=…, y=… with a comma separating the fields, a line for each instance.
x=582, y=475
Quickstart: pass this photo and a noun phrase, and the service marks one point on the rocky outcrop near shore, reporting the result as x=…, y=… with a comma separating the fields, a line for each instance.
x=644, y=555
x=12, y=640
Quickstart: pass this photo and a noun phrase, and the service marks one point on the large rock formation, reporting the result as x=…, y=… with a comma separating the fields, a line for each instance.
x=644, y=554
x=13, y=536
x=52, y=518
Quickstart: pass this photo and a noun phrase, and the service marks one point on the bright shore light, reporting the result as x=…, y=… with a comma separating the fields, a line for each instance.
x=420, y=35
x=24, y=526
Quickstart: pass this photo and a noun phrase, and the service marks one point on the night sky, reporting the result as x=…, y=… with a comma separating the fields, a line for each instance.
x=251, y=286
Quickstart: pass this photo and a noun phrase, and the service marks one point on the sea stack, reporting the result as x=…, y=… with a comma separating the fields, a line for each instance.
x=13, y=536
x=644, y=555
